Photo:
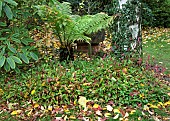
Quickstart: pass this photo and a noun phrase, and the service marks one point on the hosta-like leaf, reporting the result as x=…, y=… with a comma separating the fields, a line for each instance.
x=33, y=56
x=12, y=2
x=2, y=61
x=24, y=42
x=2, y=24
x=0, y=8
x=17, y=70
x=3, y=50
x=8, y=12
x=24, y=58
x=3, y=38
x=16, y=40
x=12, y=49
x=6, y=67
x=11, y=62
x=16, y=59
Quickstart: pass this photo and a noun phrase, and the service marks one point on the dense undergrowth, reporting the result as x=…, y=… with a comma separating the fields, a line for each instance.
x=83, y=89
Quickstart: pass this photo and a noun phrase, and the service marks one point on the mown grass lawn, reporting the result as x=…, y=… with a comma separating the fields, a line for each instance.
x=156, y=43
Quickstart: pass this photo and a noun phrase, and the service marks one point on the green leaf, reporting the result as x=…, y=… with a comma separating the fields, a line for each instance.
x=2, y=23
x=15, y=35
x=24, y=42
x=2, y=61
x=29, y=40
x=3, y=38
x=11, y=62
x=12, y=2
x=24, y=58
x=7, y=67
x=15, y=40
x=17, y=70
x=33, y=56
x=8, y=12
x=0, y=8
x=3, y=50
x=16, y=59
x=12, y=49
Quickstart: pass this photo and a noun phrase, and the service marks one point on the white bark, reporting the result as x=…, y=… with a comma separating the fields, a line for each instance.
x=121, y=2
x=135, y=28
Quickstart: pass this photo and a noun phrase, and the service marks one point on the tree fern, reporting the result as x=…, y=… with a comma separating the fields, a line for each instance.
x=70, y=28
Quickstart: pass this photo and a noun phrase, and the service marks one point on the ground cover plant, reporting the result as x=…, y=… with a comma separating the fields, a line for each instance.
x=100, y=88
x=97, y=89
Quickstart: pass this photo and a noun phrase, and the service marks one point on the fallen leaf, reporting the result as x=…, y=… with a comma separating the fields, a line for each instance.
x=43, y=84
x=29, y=113
x=107, y=114
x=142, y=85
x=16, y=112
x=153, y=106
x=109, y=108
x=132, y=111
x=155, y=118
x=169, y=93
x=50, y=108
x=95, y=106
x=124, y=70
x=32, y=92
x=167, y=103
x=116, y=111
x=36, y=105
x=72, y=117
x=82, y=101
x=146, y=107
x=98, y=112
x=116, y=117
x=126, y=115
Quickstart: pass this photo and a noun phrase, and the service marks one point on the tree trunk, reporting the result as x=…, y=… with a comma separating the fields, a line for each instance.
x=127, y=40
x=66, y=55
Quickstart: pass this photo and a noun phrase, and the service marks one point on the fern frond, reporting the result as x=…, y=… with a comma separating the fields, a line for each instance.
x=70, y=28
x=64, y=7
x=93, y=23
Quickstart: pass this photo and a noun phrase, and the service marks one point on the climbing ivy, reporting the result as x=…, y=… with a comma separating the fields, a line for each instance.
x=126, y=31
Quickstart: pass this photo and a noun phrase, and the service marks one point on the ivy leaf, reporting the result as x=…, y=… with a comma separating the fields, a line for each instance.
x=12, y=2
x=33, y=56
x=8, y=12
x=2, y=60
x=11, y=62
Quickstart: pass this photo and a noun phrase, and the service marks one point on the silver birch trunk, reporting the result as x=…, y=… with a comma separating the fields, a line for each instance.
x=127, y=40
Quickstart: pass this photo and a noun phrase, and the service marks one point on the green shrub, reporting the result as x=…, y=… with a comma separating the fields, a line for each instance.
x=14, y=39
x=156, y=13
